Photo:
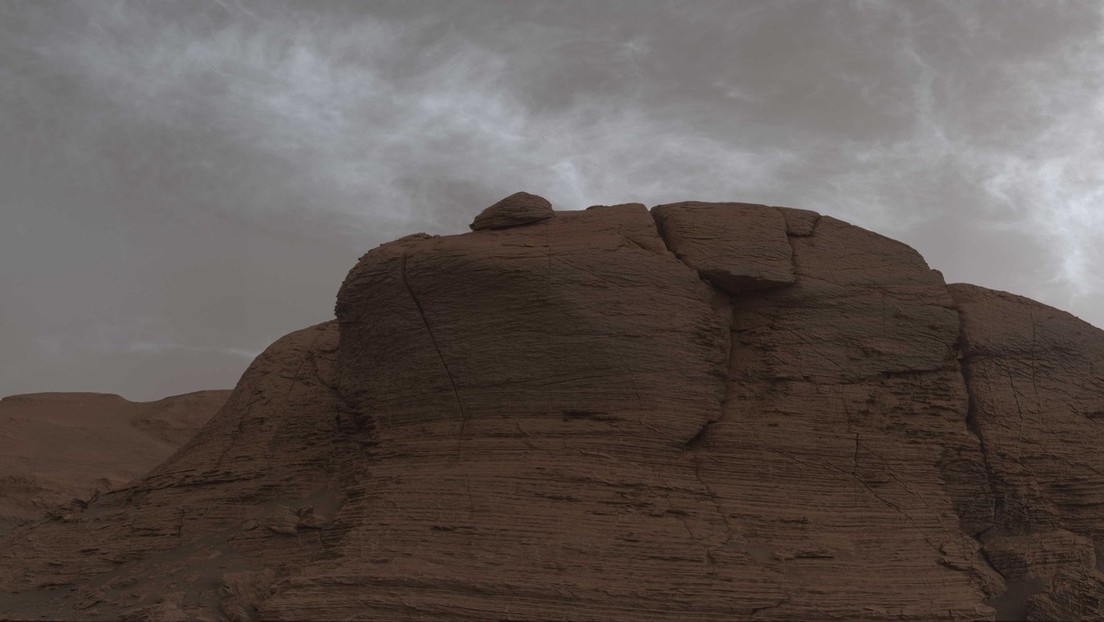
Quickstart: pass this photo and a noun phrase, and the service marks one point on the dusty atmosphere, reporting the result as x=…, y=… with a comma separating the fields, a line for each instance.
x=186, y=181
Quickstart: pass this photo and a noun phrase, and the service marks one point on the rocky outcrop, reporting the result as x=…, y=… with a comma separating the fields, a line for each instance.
x=1036, y=381
x=709, y=411
x=55, y=447
x=520, y=208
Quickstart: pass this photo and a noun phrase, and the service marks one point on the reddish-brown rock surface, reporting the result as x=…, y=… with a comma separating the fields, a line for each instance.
x=520, y=208
x=735, y=246
x=564, y=420
x=55, y=447
x=1036, y=381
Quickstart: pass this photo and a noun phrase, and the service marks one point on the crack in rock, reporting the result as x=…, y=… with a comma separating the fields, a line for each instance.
x=974, y=428
x=440, y=355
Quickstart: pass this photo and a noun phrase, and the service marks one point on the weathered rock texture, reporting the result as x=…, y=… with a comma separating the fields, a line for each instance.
x=55, y=447
x=735, y=246
x=591, y=417
x=520, y=208
x=1036, y=382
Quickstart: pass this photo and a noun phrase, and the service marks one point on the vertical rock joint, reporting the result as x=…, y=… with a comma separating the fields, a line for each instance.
x=440, y=355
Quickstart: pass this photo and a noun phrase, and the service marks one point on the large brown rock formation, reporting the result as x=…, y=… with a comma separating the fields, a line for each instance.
x=591, y=417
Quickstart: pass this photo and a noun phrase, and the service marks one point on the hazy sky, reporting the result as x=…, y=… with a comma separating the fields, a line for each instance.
x=184, y=182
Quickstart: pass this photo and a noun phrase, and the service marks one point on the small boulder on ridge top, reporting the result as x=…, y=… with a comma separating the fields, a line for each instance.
x=520, y=208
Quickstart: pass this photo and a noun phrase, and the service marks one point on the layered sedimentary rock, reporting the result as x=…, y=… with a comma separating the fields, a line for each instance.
x=735, y=246
x=198, y=536
x=55, y=447
x=1036, y=381
x=520, y=208
x=706, y=411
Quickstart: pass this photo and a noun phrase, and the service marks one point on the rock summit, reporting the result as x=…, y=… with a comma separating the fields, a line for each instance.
x=520, y=208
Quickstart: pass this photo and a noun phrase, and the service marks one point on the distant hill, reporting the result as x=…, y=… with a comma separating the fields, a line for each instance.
x=55, y=447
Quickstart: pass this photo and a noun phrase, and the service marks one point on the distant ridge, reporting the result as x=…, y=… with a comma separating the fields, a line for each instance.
x=55, y=447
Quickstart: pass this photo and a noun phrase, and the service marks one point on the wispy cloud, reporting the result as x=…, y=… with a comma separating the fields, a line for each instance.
x=1008, y=103
x=385, y=126
x=1053, y=181
x=372, y=123
x=955, y=125
x=139, y=336
x=163, y=347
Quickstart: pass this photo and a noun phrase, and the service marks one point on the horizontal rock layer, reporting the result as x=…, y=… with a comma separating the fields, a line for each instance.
x=735, y=246
x=1037, y=401
x=520, y=208
x=709, y=412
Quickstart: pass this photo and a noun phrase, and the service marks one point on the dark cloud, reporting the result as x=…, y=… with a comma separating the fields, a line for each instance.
x=186, y=181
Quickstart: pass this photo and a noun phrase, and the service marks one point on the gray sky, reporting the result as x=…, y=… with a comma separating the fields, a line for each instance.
x=184, y=182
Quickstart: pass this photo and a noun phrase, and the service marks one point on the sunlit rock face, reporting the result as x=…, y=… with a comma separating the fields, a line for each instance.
x=702, y=411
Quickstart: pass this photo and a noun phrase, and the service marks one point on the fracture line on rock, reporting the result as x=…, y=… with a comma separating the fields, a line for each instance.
x=440, y=355
x=695, y=441
x=974, y=428
x=790, y=239
x=1034, y=374
x=662, y=231
x=755, y=610
x=700, y=436
x=730, y=533
x=1019, y=409
x=870, y=489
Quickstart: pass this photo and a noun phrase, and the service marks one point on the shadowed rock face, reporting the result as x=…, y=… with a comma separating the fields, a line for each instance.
x=745, y=412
